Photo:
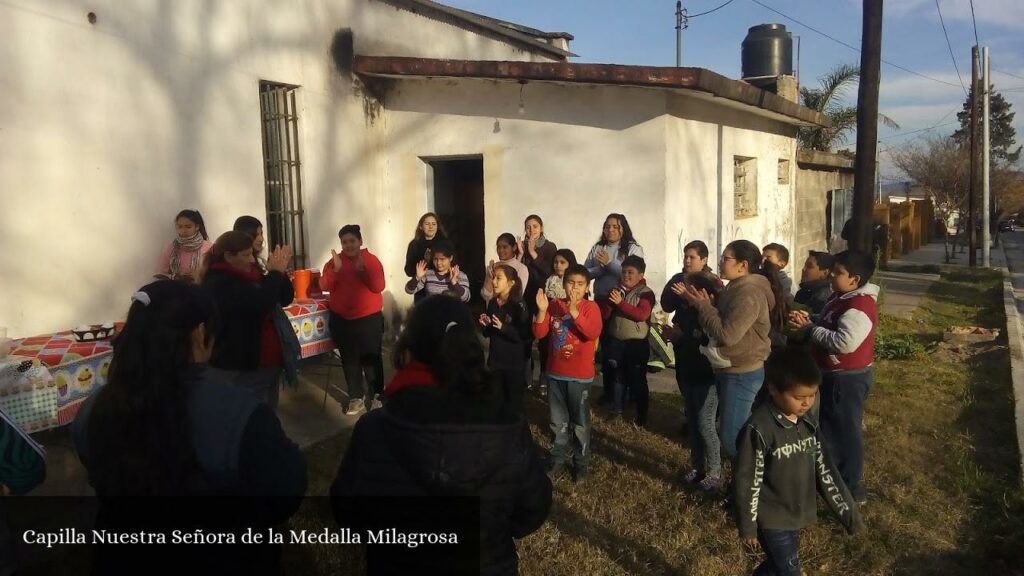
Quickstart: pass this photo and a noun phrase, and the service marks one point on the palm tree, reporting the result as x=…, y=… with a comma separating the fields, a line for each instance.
x=825, y=99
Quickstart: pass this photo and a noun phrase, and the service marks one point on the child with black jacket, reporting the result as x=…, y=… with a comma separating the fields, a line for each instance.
x=782, y=462
x=509, y=326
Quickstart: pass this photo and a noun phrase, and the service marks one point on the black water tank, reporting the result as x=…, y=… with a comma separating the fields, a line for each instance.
x=767, y=51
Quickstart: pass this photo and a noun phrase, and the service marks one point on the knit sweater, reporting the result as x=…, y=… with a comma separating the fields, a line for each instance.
x=354, y=293
x=739, y=322
x=433, y=283
x=606, y=277
x=573, y=341
x=554, y=287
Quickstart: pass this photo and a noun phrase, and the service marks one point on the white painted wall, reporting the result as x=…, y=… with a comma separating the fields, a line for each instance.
x=109, y=129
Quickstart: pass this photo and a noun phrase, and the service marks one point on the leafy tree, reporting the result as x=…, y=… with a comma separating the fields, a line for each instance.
x=825, y=99
x=1001, y=131
x=940, y=165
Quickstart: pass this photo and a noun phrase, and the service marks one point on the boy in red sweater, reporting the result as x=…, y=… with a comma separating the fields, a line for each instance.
x=574, y=325
x=843, y=343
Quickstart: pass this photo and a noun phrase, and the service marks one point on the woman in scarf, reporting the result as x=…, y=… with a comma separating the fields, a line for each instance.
x=181, y=259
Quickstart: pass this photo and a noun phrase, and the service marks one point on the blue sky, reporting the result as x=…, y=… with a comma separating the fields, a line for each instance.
x=643, y=32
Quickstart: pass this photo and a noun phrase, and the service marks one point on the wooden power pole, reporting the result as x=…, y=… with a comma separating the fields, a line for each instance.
x=867, y=127
x=972, y=254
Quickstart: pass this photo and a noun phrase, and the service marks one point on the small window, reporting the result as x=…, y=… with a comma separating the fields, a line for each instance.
x=783, y=171
x=281, y=165
x=744, y=172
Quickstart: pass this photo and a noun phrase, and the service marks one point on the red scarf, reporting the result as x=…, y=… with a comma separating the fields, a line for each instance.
x=414, y=373
x=252, y=275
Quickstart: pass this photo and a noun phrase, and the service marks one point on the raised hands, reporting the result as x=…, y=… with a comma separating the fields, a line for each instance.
x=542, y=302
x=455, y=276
x=602, y=257
x=615, y=296
x=694, y=296
x=336, y=260
x=279, y=259
x=421, y=269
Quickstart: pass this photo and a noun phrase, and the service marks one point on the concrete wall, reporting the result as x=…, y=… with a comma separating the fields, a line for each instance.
x=703, y=138
x=110, y=128
x=816, y=174
x=576, y=154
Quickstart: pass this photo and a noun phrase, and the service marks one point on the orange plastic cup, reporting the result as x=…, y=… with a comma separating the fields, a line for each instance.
x=301, y=283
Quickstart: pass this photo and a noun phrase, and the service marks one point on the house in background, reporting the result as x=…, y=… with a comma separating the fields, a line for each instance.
x=318, y=113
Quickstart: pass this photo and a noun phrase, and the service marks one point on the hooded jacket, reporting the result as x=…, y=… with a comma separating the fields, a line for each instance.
x=844, y=336
x=739, y=322
x=419, y=460
x=781, y=464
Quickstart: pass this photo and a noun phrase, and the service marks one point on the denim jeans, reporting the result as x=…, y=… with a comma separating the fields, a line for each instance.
x=570, y=418
x=842, y=414
x=782, y=552
x=700, y=400
x=736, y=393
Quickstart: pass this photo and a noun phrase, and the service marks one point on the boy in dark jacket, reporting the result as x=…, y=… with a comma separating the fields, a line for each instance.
x=782, y=462
x=815, y=281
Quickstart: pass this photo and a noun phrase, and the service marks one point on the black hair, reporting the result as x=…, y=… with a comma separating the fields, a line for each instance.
x=510, y=239
x=534, y=217
x=747, y=251
x=352, y=229
x=699, y=246
x=857, y=263
x=703, y=281
x=789, y=367
x=248, y=224
x=576, y=270
x=196, y=218
x=824, y=260
x=139, y=435
x=444, y=247
x=441, y=333
x=634, y=261
x=441, y=232
x=627, y=234
x=516, y=295
x=779, y=249
x=569, y=256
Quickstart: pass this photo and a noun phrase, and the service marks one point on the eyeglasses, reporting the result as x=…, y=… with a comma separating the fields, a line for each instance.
x=724, y=258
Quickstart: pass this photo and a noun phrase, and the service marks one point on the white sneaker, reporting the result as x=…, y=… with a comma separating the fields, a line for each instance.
x=376, y=403
x=355, y=406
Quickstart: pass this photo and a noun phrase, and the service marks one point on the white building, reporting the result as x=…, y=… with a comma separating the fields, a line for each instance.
x=117, y=114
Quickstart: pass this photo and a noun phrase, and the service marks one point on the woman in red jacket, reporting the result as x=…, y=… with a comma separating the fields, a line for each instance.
x=355, y=279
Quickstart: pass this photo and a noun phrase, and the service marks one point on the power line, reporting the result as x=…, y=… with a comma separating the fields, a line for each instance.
x=1008, y=74
x=938, y=124
x=975, y=22
x=950, y=46
x=712, y=10
x=850, y=46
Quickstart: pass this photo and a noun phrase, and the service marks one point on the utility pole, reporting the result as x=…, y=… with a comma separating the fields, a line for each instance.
x=972, y=254
x=986, y=198
x=680, y=24
x=867, y=126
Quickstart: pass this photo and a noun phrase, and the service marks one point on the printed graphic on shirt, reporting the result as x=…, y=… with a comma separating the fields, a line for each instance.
x=755, y=486
x=564, y=340
x=809, y=444
x=833, y=492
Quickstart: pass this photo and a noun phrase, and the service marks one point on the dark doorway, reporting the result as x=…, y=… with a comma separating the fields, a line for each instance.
x=459, y=203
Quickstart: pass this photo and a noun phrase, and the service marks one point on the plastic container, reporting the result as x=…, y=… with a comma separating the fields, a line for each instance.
x=301, y=284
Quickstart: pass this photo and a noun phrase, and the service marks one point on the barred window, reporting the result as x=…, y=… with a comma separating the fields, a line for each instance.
x=281, y=169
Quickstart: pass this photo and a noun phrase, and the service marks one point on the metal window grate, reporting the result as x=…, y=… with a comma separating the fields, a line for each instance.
x=281, y=169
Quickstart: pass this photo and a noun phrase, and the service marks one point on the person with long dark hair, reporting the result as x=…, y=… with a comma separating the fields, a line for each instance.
x=162, y=427
x=252, y=226
x=445, y=439
x=508, y=255
x=428, y=231
x=182, y=258
x=538, y=254
x=355, y=279
x=507, y=324
x=250, y=351
x=749, y=307
x=604, y=264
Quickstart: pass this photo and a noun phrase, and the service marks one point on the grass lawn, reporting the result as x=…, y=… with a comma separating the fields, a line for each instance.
x=941, y=471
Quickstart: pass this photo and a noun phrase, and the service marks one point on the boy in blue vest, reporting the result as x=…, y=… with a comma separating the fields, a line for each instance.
x=843, y=342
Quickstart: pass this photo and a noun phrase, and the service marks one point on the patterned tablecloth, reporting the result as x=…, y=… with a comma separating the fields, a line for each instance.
x=46, y=378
